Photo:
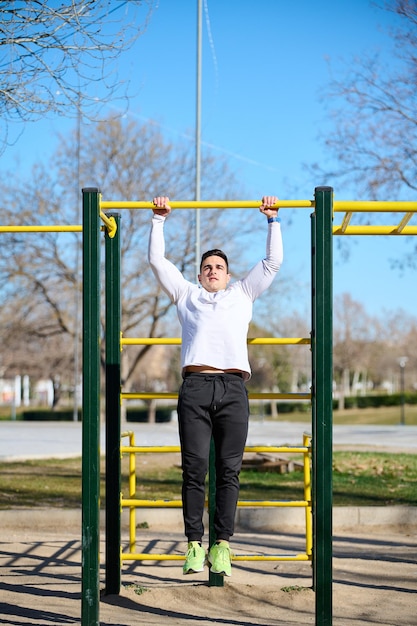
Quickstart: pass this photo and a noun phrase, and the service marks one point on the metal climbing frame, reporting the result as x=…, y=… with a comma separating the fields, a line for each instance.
x=132, y=502
x=322, y=229
x=321, y=339
x=216, y=579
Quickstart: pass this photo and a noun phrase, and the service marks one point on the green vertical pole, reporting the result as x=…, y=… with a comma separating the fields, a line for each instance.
x=215, y=580
x=113, y=409
x=91, y=410
x=322, y=267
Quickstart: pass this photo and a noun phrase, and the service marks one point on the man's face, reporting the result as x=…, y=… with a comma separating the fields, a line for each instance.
x=214, y=276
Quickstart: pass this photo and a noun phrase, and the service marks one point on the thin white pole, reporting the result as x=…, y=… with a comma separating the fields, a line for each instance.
x=198, y=133
x=77, y=302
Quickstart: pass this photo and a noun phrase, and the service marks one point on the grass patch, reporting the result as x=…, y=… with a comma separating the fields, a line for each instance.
x=138, y=589
x=40, y=483
x=359, y=478
x=383, y=416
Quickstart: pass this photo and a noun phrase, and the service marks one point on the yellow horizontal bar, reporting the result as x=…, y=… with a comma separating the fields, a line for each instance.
x=145, y=556
x=152, y=504
x=176, y=341
x=149, y=396
x=275, y=449
x=150, y=341
x=252, y=396
x=206, y=204
x=273, y=503
x=275, y=557
x=375, y=230
x=54, y=228
x=278, y=341
x=150, y=449
x=270, y=557
x=357, y=206
x=267, y=449
x=385, y=206
x=177, y=504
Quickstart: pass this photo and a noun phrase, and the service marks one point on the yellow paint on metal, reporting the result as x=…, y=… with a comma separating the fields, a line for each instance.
x=176, y=341
x=385, y=206
x=148, y=396
x=271, y=557
x=152, y=504
x=161, y=449
x=177, y=504
x=53, y=228
x=146, y=556
x=279, y=449
x=134, y=503
x=148, y=449
x=207, y=204
x=346, y=220
x=272, y=503
x=307, y=494
x=339, y=206
x=167, y=395
x=409, y=209
x=151, y=341
x=407, y=217
x=375, y=230
x=279, y=341
x=110, y=224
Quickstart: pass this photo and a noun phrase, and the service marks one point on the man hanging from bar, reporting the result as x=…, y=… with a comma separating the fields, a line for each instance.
x=213, y=399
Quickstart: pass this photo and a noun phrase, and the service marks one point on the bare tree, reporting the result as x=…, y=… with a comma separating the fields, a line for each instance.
x=374, y=116
x=61, y=57
x=372, y=138
x=353, y=330
x=39, y=276
x=398, y=333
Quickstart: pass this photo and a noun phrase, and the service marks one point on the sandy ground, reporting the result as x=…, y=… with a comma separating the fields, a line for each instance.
x=374, y=574
x=375, y=582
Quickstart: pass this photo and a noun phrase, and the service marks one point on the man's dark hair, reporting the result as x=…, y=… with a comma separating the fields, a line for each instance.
x=215, y=252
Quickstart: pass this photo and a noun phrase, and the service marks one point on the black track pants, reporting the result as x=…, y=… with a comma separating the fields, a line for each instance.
x=211, y=404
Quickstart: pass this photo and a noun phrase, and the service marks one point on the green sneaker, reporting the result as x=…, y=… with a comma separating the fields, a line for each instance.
x=195, y=558
x=219, y=558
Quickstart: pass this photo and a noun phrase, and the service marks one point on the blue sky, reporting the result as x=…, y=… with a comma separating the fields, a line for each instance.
x=265, y=68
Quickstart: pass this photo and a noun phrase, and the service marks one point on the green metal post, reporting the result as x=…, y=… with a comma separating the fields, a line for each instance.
x=322, y=266
x=91, y=410
x=215, y=580
x=113, y=409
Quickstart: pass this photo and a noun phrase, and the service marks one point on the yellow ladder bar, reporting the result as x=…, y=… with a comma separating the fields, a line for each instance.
x=177, y=504
x=146, y=556
x=52, y=228
x=206, y=204
x=409, y=209
x=167, y=395
x=375, y=230
x=374, y=206
x=176, y=341
x=132, y=503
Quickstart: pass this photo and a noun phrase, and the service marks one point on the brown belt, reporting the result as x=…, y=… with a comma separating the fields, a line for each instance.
x=186, y=374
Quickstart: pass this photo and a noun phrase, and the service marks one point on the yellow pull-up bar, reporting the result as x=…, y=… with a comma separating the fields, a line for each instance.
x=371, y=206
x=349, y=207
x=176, y=341
x=206, y=204
x=53, y=228
x=356, y=206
